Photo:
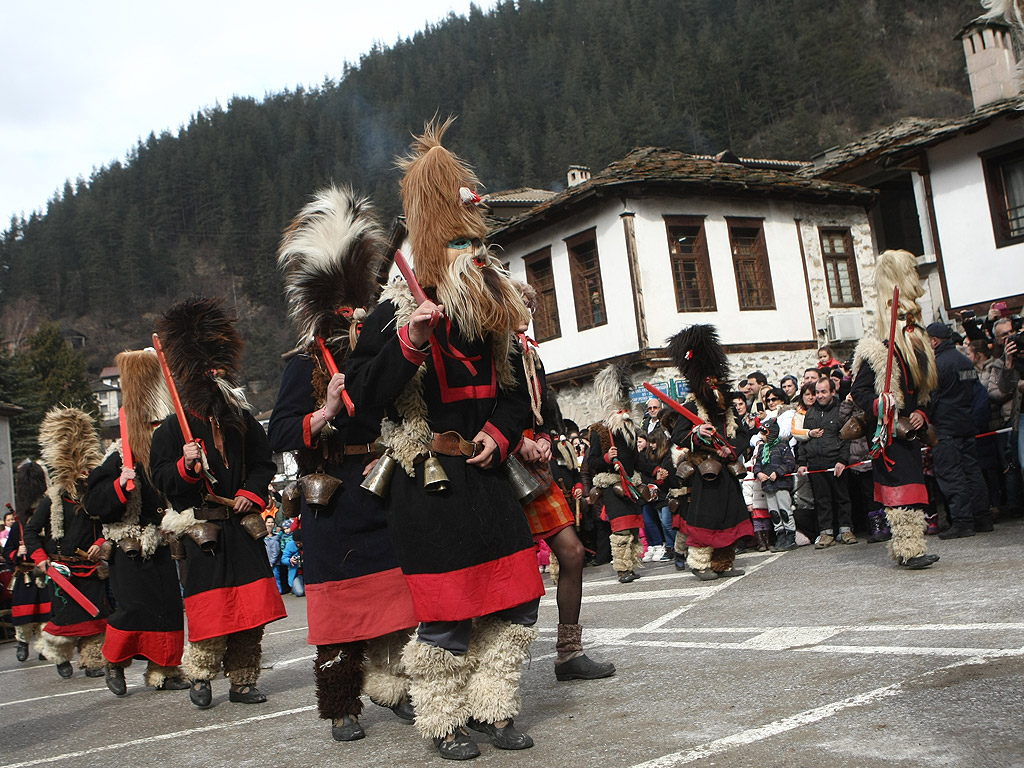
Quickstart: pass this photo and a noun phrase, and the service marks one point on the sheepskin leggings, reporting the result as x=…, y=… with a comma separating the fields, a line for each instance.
x=463, y=669
x=908, y=526
x=345, y=670
x=58, y=649
x=625, y=549
x=238, y=654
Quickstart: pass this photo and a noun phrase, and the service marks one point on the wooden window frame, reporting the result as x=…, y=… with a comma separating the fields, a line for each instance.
x=546, y=315
x=759, y=261
x=992, y=162
x=581, y=293
x=701, y=261
x=851, y=264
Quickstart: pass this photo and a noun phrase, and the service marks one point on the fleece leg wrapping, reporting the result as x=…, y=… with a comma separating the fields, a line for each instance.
x=57, y=648
x=723, y=558
x=26, y=633
x=90, y=652
x=699, y=558
x=155, y=675
x=438, y=688
x=385, y=680
x=243, y=655
x=553, y=569
x=338, y=672
x=203, y=658
x=622, y=551
x=680, y=544
x=497, y=651
x=907, y=525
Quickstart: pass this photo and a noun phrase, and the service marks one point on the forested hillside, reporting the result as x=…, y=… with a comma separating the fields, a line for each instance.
x=538, y=84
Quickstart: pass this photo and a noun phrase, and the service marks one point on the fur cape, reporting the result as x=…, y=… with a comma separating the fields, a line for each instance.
x=204, y=352
x=701, y=360
x=611, y=388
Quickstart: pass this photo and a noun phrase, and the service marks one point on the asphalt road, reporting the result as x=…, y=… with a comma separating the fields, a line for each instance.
x=813, y=658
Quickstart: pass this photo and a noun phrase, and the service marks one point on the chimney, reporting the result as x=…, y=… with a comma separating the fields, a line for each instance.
x=991, y=64
x=578, y=174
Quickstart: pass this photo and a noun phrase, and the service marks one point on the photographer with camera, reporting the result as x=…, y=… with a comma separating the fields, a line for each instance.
x=1004, y=392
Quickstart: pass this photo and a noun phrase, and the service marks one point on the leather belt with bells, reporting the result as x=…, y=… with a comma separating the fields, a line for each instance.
x=452, y=444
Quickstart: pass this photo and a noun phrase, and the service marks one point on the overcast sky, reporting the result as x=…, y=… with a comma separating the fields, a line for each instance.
x=82, y=80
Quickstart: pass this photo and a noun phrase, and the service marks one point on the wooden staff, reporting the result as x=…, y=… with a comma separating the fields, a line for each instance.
x=332, y=369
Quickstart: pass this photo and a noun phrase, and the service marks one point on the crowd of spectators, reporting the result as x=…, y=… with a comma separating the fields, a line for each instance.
x=810, y=484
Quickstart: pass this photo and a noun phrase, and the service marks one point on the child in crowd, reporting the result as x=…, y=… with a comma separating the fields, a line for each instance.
x=773, y=466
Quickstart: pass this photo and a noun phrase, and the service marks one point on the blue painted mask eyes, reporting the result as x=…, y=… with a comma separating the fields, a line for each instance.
x=461, y=244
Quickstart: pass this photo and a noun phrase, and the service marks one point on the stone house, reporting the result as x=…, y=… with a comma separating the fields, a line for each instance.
x=659, y=240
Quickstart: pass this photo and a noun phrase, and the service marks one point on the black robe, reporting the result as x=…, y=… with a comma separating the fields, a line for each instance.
x=232, y=588
x=68, y=618
x=466, y=551
x=716, y=515
x=30, y=603
x=623, y=513
x=354, y=587
x=147, y=620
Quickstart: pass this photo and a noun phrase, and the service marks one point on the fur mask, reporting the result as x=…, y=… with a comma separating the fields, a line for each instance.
x=70, y=448
x=146, y=400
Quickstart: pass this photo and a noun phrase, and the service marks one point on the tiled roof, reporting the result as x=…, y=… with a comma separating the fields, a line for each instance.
x=911, y=134
x=520, y=196
x=654, y=170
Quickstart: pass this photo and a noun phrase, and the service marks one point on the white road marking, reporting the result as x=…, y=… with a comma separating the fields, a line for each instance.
x=807, y=717
x=834, y=649
x=288, y=662
x=160, y=737
x=57, y=695
x=285, y=631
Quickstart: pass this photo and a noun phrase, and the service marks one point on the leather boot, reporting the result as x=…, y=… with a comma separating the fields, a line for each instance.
x=879, y=527
x=761, y=540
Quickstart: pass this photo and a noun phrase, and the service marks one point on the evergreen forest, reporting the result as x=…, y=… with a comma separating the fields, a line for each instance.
x=537, y=85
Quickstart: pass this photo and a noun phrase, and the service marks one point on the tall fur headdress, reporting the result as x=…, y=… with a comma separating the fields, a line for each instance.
x=612, y=387
x=900, y=268
x=146, y=399
x=698, y=354
x=204, y=351
x=70, y=447
x=30, y=485
x=437, y=211
x=331, y=256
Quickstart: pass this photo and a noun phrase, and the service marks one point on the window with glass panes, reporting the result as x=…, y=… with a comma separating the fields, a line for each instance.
x=750, y=262
x=1004, y=181
x=585, y=269
x=540, y=275
x=691, y=267
x=840, y=267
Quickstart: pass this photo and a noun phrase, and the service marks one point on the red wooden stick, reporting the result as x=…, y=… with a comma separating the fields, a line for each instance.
x=126, y=449
x=332, y=368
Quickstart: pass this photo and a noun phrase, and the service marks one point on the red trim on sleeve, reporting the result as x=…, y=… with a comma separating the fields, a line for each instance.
x=499, y=438
x=923, y=416
x=38, y=556
x=580, y=486
x=99, y=542
x=307, y=431
x=874, y=406
x=186, y=475
x=409, y=351
x=120, y=491
x=542, y=436
x=607, y=458
x=251, y=497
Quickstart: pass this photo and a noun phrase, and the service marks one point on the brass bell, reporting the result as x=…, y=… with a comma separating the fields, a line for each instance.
x=685, y=471
x=318, y=488
x=204, y=534
x=524, y=485
x=131, y=546
x=290, y=506
x=709, y=469
x=435, y=479
x=254, y=526
x=379, y=479
x=177, y=547
x=737, y=469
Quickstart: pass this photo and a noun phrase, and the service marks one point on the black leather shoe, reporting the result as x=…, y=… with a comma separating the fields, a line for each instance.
x=21, y=654
x=917, y=563
x=461, y=747
x=246, y=694
x=346, y=728
x=403, y=710
x=173, y=684
x=705, y=574
x=583, y=668
x=201, y=694
x=503, y=738
x=116, y=682
x=728, y=574
x=94, y=673
x=625, y=577
x=65, y=670
x=957, y=531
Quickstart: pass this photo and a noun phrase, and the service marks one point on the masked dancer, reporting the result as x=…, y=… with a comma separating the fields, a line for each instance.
x=30, y=594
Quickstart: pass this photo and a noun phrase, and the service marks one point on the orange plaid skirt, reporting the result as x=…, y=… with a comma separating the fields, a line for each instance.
x=549, y=513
